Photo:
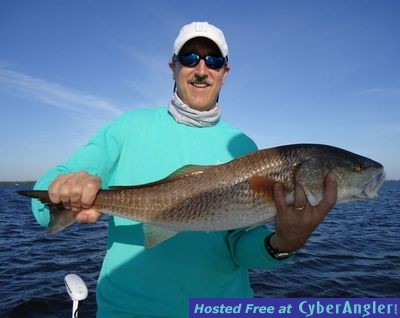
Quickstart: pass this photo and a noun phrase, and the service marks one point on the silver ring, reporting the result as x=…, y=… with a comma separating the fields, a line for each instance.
x=301, y=208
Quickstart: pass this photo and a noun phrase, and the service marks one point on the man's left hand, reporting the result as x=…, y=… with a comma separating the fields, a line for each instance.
x=295, y=223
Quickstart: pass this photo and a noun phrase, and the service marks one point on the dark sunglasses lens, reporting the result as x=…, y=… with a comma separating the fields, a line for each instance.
x=214, y=61
x=189, y=60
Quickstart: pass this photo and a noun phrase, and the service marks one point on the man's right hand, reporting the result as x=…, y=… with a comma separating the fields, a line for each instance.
x=77, y=191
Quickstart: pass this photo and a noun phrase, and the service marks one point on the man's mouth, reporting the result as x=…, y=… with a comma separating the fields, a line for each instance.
x=199, y=85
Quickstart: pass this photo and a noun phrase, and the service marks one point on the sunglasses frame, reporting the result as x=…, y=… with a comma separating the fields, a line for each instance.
x=208, y=59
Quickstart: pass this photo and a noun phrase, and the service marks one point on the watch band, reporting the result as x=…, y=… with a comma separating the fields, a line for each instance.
x=280, y=256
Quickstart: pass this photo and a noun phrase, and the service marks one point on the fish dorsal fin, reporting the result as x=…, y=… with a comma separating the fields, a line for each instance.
x=154, y=235
x=185, y=171
x=263, y=188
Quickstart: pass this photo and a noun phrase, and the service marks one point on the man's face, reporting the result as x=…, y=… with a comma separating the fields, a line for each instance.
x=199, y=86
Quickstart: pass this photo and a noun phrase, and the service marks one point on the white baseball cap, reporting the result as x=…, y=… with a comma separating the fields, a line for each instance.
x=201, y=29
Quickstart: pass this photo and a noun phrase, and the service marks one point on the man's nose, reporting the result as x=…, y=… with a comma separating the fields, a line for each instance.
x=201, y=69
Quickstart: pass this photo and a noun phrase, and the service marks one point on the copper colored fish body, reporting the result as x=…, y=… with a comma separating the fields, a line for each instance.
x=236, y=194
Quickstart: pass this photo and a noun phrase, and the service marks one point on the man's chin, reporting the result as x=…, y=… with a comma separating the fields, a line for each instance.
x=201, y=107
x=201, y=104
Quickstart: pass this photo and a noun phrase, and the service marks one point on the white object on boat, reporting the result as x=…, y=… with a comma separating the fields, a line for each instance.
x=77, y=290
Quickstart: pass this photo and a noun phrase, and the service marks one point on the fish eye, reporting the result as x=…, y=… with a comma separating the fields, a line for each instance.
x=358, y=167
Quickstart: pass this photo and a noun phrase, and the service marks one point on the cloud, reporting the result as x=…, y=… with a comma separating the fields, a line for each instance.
x=54, y=94
x=380, y=91
x=152, y=62
x=152, y=83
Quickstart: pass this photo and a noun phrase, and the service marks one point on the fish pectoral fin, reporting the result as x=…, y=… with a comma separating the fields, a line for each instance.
x=154, y=235
x=262, y=188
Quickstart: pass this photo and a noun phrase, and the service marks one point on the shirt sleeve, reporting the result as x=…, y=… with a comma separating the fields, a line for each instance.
x=98, y=157
x=248, y=250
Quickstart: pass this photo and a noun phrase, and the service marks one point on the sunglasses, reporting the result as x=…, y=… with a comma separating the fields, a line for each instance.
x=193, y=59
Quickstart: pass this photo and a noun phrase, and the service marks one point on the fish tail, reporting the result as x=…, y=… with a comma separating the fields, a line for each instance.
x=60, y=217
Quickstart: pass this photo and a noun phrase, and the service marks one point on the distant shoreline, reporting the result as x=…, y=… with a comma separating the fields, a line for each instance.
x=17, y=182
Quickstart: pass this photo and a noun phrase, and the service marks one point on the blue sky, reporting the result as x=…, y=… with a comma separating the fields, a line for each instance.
x=301, y=71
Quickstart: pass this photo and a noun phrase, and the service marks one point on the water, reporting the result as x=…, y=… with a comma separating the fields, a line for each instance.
x=33, y=265
x=354, y=253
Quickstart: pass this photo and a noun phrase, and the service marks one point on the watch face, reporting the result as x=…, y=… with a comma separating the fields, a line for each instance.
x=282, y=256
x=274, y=253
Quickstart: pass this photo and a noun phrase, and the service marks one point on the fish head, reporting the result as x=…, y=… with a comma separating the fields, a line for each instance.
x=358, y=177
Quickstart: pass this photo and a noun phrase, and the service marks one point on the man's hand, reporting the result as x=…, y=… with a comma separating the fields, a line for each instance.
x=77, y=191
x=295, y=224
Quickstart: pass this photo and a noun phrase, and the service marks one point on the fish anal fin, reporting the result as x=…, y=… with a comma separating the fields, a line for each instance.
x=60, y=218
x=263, y=188
x=154, y=235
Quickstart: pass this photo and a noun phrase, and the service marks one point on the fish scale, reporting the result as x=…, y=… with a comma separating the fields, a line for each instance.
x=237, y=194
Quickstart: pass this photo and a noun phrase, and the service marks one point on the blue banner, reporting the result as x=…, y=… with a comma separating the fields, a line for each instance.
x=293, y=307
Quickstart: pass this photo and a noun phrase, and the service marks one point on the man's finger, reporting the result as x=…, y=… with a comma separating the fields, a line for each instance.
x=330, y=195
x=53, y=192
x=75, y=194
x=54, y=188
x=300, y=198
x=279, y=197
x=64, y=189
x=88, y=216
x=89, y=192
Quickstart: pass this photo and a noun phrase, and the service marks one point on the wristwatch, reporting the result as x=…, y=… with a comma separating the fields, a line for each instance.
x=280, y=256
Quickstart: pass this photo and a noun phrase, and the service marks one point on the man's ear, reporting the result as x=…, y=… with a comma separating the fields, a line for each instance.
x=173, y=66
x=227, y=69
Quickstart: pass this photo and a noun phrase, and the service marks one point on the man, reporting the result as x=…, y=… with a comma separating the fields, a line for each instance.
x=149, y=144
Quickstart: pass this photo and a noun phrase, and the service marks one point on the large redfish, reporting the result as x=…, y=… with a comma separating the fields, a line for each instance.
x=237, y=194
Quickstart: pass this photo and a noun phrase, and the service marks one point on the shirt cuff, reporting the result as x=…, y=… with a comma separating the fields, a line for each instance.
x=248, y=249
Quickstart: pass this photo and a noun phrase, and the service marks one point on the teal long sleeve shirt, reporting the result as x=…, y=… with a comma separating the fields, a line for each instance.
x=144, y=146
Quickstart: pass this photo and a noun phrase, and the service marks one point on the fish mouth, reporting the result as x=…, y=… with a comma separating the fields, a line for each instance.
x=372, y=186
